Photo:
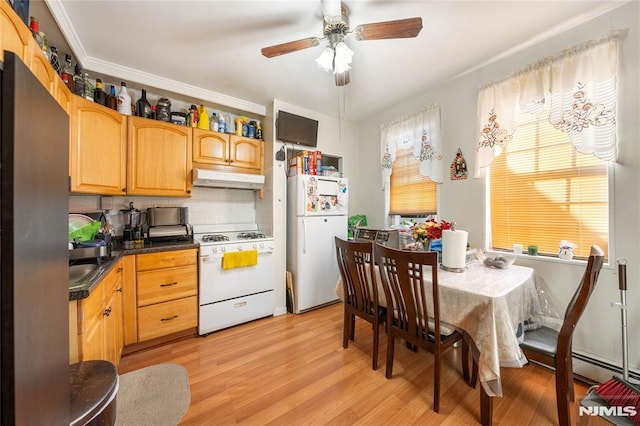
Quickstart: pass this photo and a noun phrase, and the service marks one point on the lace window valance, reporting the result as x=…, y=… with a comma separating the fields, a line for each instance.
x=419, y=131
x=580, y=86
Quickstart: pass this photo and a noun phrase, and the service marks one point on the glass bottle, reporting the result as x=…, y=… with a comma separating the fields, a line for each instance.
x=67, y=72
x=78, y=81
x=99, y=96
x=222, y=124
x=55, y=62
x=45, y=51
x=124, y=100
x=112, y=99
x=35, y=31
x=88, y=87
x=143, y=107
x=258, y=131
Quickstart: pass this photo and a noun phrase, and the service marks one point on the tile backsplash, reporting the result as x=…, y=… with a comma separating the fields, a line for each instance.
x=206, y=205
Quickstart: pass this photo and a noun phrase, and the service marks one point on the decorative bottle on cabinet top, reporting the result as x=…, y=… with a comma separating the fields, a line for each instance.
x=78, y=81
x=99, y=96
x=112, y=99
x=124, y=100
x=143, y=107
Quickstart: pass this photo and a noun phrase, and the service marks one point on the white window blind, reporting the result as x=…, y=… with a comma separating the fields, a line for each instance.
x=412, y=194
x=543, y=191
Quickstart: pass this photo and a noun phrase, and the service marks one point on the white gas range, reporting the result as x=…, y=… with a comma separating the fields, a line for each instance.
x=236, y=275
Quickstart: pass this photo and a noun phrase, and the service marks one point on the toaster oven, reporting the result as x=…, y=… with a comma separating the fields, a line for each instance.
x=167, y=216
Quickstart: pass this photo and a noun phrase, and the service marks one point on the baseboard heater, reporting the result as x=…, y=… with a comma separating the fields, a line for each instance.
x=605, y=365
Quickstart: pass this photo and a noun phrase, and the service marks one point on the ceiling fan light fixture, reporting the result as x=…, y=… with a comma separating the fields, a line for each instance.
x=325, y=60
x=343, y=58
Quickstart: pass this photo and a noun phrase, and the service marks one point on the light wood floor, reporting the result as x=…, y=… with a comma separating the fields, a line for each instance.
x=292, y=370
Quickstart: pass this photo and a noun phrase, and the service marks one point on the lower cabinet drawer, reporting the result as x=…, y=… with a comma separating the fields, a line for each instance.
x=166, y=318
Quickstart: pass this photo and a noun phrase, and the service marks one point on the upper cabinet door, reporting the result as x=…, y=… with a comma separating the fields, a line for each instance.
x=245, y=153
x=41, y=68
x=159, y=160
x=98, y=148
x=14, y=34
x=210, y=147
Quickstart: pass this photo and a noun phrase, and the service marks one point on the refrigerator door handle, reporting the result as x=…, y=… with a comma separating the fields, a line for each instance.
x=304, y=235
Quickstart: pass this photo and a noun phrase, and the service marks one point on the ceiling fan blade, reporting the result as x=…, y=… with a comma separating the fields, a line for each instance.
x=292, y=46
x=402, y=28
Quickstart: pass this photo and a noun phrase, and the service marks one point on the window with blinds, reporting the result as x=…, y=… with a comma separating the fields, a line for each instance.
x=543, y=191
x=411, y=193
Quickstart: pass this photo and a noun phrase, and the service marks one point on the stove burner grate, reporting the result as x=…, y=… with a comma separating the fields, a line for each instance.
x=250, y=235
x=214, y=238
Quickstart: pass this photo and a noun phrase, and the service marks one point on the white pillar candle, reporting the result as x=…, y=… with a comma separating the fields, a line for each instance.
x=454, y=248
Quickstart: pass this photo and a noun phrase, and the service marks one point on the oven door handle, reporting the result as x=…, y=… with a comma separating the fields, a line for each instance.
x=209, y=258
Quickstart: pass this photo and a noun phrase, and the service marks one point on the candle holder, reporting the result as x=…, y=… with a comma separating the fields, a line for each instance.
x=448, y=269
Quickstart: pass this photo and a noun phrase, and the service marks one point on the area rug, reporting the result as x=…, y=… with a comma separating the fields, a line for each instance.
x=157, y=395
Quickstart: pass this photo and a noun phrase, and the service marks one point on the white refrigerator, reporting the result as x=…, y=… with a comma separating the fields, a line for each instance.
x=316, y=213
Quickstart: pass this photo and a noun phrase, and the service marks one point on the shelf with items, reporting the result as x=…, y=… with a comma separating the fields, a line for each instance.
x=313, y=162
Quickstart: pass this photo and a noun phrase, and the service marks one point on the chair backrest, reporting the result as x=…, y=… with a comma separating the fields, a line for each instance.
x=355, y=261
x=416, y=310
x=579, y=301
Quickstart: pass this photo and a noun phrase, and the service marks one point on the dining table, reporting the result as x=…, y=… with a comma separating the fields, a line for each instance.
x=493, y=306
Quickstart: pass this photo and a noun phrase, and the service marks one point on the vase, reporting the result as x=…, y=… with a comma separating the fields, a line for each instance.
x=423, y=245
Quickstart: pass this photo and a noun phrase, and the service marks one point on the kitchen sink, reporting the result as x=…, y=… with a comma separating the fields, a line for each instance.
x=78, y=272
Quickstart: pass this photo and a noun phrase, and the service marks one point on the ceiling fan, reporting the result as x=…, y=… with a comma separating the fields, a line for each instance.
x=335, y=28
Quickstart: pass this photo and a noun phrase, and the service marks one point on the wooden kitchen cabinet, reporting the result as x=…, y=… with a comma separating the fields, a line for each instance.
x=100, y=319
x=14, y=34
x=227, y=152
x=167, y=293
x=98, y=148
x=41, y=68
x=159, y=158
x=16, y=37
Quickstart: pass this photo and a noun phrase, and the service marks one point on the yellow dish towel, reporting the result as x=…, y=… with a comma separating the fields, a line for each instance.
x=240, y=259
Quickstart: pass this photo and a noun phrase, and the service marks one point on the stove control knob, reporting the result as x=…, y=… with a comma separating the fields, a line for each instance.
x=239, y=248
x=214, y=249
x=261, y=245
x=255, y=246
x=223, y=249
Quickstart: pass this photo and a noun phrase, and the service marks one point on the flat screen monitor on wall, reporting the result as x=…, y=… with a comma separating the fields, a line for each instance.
x=296, y=129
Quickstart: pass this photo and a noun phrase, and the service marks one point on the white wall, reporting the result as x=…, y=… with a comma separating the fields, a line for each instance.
x=206, y=205
x=598, y=333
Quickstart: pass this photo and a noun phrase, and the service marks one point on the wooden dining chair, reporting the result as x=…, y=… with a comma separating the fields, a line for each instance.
x=355, y=261
x=410, y=314
x=553, y=348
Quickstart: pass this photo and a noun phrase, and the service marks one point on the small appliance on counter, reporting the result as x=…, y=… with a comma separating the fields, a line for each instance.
x=132, y=232
x=385, y=237
x=168, y=224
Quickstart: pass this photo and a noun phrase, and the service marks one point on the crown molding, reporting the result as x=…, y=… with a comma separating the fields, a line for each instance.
x=144, y=78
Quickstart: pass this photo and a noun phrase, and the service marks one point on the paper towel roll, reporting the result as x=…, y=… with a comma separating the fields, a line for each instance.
x=454, y=248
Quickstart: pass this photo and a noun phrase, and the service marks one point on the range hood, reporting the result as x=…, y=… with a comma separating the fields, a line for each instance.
x=219, y=179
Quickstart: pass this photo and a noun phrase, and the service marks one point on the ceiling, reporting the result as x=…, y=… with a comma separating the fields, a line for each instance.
x=210, y=50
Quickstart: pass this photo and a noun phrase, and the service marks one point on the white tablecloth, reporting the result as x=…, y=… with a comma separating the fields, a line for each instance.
x=488, y=304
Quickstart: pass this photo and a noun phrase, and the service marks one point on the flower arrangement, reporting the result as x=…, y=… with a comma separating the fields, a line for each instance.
x=429, y=230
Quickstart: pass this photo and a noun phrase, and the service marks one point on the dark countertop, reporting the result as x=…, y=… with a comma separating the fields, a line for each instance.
x=82, y=289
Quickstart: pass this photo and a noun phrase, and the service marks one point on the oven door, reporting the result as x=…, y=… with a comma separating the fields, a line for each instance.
x=217, y=284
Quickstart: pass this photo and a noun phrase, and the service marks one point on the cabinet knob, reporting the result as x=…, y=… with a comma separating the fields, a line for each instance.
x=124, y=189
x=107, y=312
x=119, y=290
